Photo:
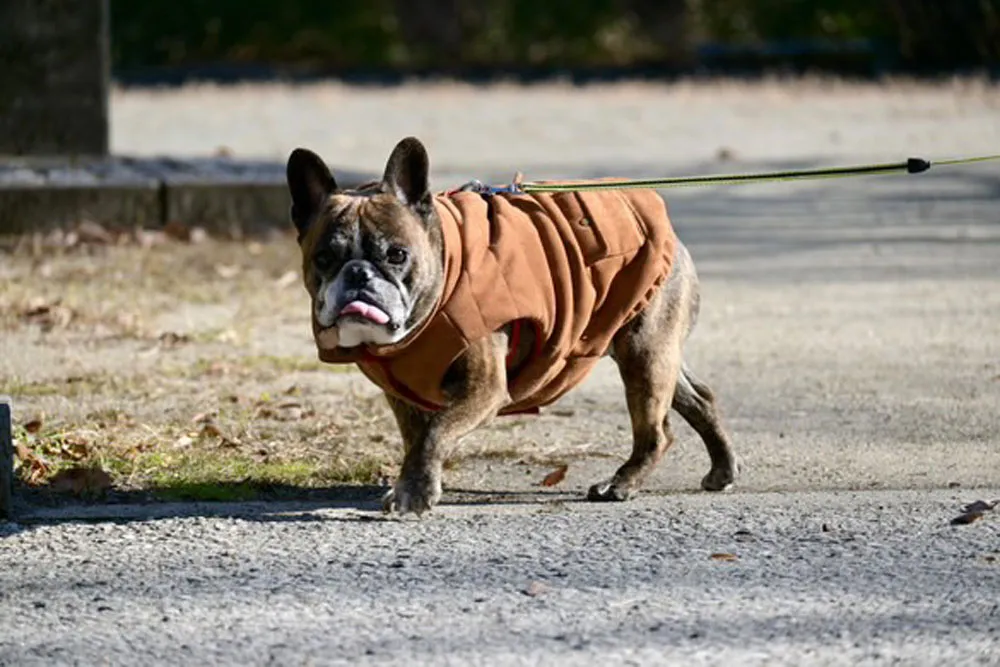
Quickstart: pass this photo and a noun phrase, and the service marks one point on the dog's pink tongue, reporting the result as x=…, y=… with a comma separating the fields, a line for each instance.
x=365, y=310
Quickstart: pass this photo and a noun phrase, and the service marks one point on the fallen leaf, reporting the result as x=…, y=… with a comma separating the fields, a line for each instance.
x=81, y=480
x=33, y=426
x=287, y=279
x=536, y=588
x=127, y=321
x=38, y=470
x=170, y=340
x=148, y=238
x=218, y=368
x=725, y=557
x=48, y=315
x=556, y=476
x=967, y=518
x=34, y=468
x=70, y=239
x=75, y=446
x=227, y=271
x=89, y=231
x=211, y=430
x=183, y=442
x=203, y=417
x=980, y=506
x=38, y=304
x=178, y=231
x=386, y=473
x=23, y=452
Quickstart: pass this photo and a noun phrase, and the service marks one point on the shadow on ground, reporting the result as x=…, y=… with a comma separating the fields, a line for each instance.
x=276, y=503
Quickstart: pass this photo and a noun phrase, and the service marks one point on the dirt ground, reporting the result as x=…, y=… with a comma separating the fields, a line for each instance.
x=849, y=328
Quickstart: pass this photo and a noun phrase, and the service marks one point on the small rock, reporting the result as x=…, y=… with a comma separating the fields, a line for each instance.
x=536, y=588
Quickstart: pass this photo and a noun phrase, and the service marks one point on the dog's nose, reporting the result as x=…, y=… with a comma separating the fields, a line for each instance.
x=359, y=273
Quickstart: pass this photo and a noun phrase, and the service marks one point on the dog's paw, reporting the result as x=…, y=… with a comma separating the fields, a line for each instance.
x=606, y=492
x=720, y=479
x=412, y=496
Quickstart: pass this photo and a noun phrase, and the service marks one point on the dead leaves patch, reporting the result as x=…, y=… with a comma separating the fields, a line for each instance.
x=42, y=463
x=88, y=234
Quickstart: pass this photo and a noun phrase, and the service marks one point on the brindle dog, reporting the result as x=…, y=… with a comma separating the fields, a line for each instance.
x=373, y=265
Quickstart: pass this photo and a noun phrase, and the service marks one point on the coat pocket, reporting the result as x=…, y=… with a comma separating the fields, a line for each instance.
x=605, y=226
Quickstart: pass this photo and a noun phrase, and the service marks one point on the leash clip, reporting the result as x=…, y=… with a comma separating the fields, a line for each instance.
x=477, y=186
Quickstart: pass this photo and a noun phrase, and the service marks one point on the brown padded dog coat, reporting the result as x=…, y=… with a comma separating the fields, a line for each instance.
x=574, y=266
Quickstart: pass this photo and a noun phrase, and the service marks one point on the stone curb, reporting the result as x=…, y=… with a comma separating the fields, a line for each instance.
x=224, y=196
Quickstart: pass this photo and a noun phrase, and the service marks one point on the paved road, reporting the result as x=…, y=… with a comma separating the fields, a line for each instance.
x=851, y=331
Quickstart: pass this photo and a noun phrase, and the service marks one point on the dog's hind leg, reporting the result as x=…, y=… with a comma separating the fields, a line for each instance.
x=696, y=404
x=648, y=354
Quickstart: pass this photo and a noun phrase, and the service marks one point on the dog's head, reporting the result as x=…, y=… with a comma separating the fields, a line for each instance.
x=371, y=256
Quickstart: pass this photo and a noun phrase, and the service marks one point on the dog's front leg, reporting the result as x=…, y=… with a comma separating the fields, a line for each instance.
x=477, y=384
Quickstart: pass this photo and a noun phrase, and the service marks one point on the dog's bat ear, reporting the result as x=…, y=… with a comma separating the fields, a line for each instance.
x=407, y=174
x=310, y=183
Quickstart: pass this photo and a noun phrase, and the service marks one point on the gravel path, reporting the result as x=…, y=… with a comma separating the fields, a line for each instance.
x=815, y=578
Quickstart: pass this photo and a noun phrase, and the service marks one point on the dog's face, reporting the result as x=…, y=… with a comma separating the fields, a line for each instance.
x=372, y=257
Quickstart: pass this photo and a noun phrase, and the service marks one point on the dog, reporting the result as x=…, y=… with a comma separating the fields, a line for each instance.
x=466, y=305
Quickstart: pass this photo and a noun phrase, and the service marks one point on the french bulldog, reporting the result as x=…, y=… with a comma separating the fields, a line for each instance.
x=376, y=262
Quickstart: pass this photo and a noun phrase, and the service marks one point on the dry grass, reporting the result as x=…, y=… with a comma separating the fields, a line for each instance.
x=148, y=366
x=184, y=370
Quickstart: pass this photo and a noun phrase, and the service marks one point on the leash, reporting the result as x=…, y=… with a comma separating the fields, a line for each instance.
x=911, y=166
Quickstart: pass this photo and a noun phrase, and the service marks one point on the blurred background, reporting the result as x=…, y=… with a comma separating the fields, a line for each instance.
x=234, y=38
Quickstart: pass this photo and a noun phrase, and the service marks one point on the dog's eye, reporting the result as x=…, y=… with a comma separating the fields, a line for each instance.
x=396, y=254
x=324, y=261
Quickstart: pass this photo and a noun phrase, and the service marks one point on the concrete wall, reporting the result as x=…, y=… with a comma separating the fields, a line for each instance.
x=54, y=74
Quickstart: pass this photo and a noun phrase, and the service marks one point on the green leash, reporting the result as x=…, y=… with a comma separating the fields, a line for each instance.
x=911, y=166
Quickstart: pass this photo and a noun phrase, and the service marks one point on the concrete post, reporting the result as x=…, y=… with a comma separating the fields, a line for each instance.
x=54, y=77
x=6, y=461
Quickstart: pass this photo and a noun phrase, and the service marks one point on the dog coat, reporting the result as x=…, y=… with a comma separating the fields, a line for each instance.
x=573, y=266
